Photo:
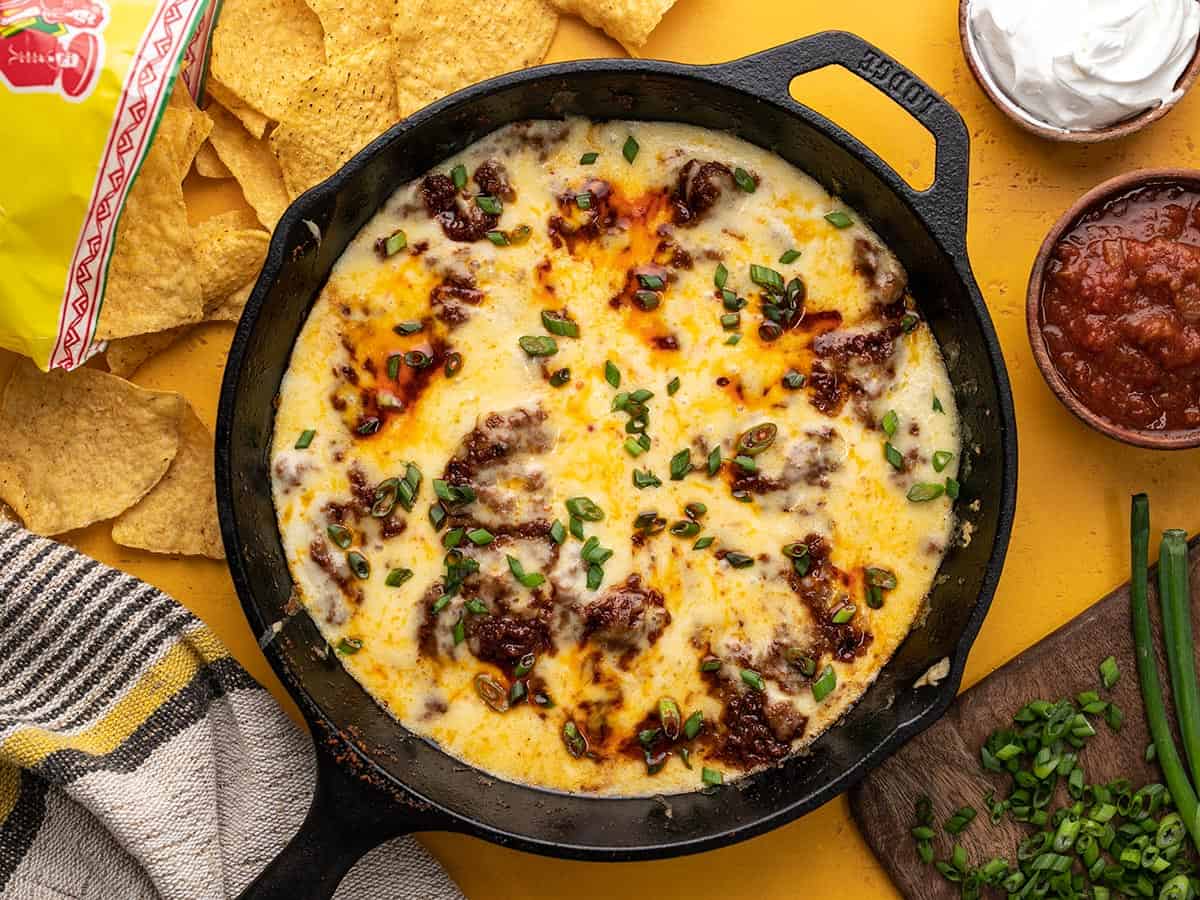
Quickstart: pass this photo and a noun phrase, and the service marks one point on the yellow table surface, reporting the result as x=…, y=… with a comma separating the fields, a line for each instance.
x=1069, y=544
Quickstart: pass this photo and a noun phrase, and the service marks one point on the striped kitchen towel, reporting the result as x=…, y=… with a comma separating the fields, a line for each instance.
x=137, y=758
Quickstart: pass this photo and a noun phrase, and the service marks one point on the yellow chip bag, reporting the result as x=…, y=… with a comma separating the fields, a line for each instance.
x=251, y=163
x=84, y=88
x=434, y=57
x=627, y=21
x=335, y=113
x=80, y=447
x=179, y=515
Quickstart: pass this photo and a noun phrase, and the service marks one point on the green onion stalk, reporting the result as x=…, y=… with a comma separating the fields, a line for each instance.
x=1175, y=599
x=1143, y=638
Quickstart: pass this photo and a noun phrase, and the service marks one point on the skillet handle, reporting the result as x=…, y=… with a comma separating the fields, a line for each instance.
x=944, y=203
x=347, y=818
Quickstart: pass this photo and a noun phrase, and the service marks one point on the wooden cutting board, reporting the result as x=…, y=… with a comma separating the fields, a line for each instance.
x=943, y=762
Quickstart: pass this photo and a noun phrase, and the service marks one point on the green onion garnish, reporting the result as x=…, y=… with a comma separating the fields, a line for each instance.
x=476, y=607
x=714, y=461
x=789, y=257
x=753, y=679
x=612, y=374
x=685, y=529
x=651, y=282
x=395, y=242
x=730, y=321
x=583, y=201
x=575, y=526
x=574, y=740
x=890, y=422
x=348, y=646
x=306, y=438
x=839, y=219
x=844, y=614
x=499, y=238
x=672, y=386
x=940, y=459
x=584, y=508
x=824, y=684
x=794, y=380
x=695, y=510
x=766, y=277
x=459, y=176
x=1109, y=673
x=340, y=535
x=588, y=158
x=393, y=365
x=710, y=664
x=459, y=631
x=720, y=276
x=711, y=777
x=739, y=560
x=703, y=543
x=595, y=576
x=908, y=323
x=952, y=488
x=560, y=377
x=480, y=537
x=744, y=180
x=630, y=150
x=893, y=456
x=644, y=479
x=397, y=577
x=647, y=300
x=681, y=464
x=924, y=491
x=417, y=359
x=538, y=345
x=358, y=565
x=437, y=515
x=758, y=439
x=410, y=327
x=937, y=405
x=559, y=324
x=693, y=725
x=558, y=532
x=453, y=538
x=490, y=205
x=527, y=579
x=634, y=448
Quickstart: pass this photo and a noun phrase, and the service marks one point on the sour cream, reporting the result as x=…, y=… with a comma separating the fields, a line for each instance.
x=1079, y=65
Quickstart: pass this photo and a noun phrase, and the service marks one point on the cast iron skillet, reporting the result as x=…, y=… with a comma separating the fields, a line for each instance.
x=375, y=779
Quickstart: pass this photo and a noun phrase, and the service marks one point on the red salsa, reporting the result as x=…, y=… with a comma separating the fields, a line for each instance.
x=1121, y=308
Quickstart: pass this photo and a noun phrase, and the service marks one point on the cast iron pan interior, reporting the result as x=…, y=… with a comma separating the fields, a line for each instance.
x=426, y=789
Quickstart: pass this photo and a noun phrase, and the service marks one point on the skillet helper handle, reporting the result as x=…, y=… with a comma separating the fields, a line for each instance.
x=347, y=818
x=944, y=203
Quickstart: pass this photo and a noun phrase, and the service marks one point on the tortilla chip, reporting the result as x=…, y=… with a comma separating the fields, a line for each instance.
x=209, y=165
x=350, y=24
x=254, y=121
x=199, y=124
x=83, y=446
x=443, y=45
x=230, y=309
x=227, y=257
x=334, y=114
x=152, y=283
x=180, y=514
x=627, y=21
x=251, y=164
x=126, y=355
x=263, y=49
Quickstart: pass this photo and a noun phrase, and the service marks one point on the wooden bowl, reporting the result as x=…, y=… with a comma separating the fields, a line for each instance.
x=1154, y=440
x=1009, y=107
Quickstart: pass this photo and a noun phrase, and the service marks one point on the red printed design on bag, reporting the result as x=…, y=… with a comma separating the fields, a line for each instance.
x=52, y=46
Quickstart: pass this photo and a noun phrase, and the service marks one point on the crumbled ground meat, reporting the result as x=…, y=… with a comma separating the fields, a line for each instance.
x=504, y=639
x=626, y=616
x=460, y=220
x=698, y=189
x=499, y=436
x=452, y=298
x=748, y=739
x=492, y=178
x=573, y=224
x=885, y=277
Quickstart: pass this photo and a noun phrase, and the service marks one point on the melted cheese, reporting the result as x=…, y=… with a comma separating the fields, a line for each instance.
x=837, y=483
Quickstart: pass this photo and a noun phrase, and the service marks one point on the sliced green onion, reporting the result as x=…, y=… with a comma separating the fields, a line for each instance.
x=1109, y=673
x=476, y=607
x=394, y=242
x=733, y=339
x=670, y=717
x=409, y=327
x=711, y=777
x=358, y=565
x=937, y=405
x=940, y=459
x=839, y=219
x=560, y=377
x=824, y=684
x=538, y=345
x=703, y=543
x=730, y=321
x=480, y=537
x=789, y=257
x=520, y=235
x=397, y=577
x=490, y=205
x=393, y=365
x=844, y=614
x=558, y=533
x=630, y=149
x=644, y=479
x=744, y=180
x=595, y=576
x=908, y=323
x=952, y=488
x=890, y=422
x=685, y=529
x=491, y=692
x=739, y=560
x=340, y=535
x=710, y=664
x=794, y=380
x=681, y=464
x=720, y=276
x=584, y=508
x=306, y=438
x=758, y=439
x=459, y=176
x=672, y=386
x=574, y=740
x=588, y=158
x=559, y=324
x=714, y=461
x=583, y=201
x=767, y=277
x=453, y=538
x=417, y=359
x=499, y=238
x=924, y=491
x=893, y=456
x=753, y=679
x=612, y=374
x=348, y=646
x=693, y=725
x=575, y=525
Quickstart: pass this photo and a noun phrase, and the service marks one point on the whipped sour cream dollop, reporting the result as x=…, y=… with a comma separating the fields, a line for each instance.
x=1080, y=65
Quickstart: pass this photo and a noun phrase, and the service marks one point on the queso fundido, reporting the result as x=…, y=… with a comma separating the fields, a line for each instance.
x=615, y=458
